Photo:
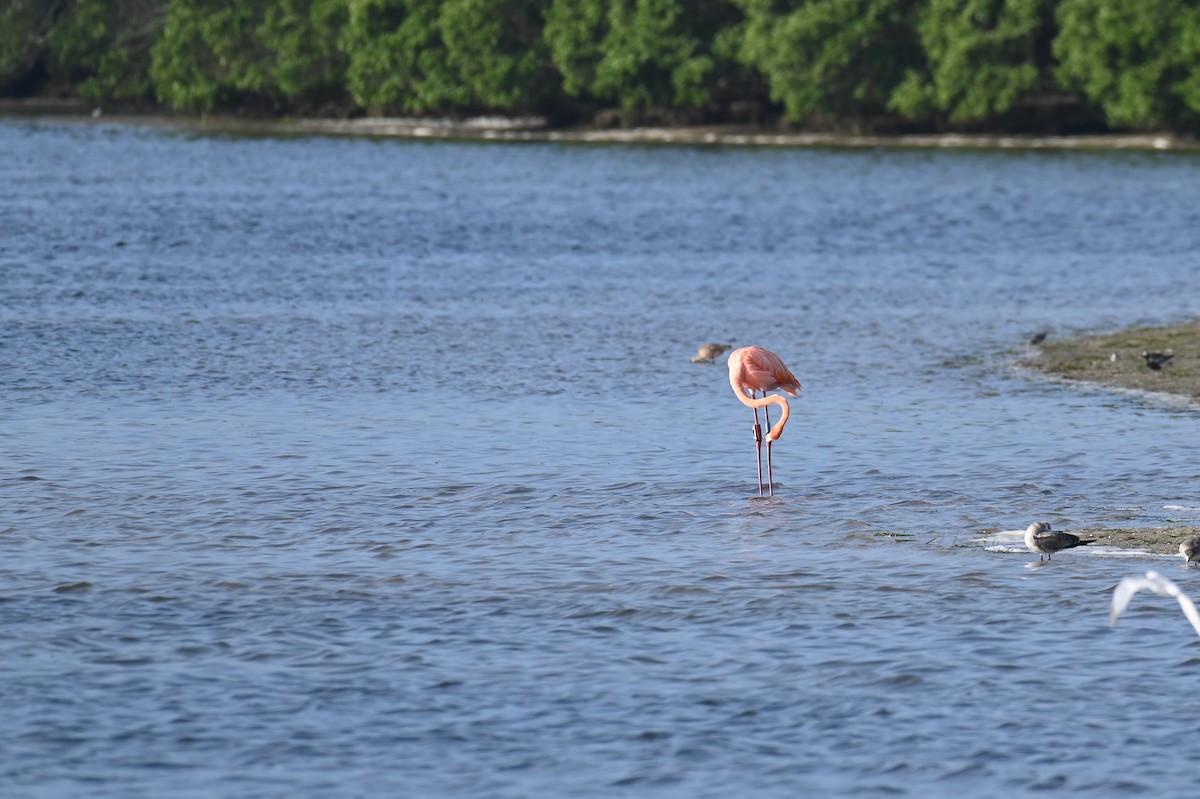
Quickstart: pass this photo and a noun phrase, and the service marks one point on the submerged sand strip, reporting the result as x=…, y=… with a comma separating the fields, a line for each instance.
x=1114, y=360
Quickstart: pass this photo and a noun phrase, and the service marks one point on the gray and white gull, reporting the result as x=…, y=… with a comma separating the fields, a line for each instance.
x=1044, y=541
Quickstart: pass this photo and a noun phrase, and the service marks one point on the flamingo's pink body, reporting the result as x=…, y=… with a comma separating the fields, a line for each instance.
x=754, y=369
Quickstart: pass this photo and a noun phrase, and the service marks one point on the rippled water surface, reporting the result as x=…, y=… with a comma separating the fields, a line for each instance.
x=378, y=468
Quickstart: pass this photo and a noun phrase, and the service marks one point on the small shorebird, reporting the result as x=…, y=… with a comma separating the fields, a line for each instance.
x=1190, y=550
x=1038, y=338
x=1159, y=585
x=1157, y=360
x=710, y=352
x=1044, y=541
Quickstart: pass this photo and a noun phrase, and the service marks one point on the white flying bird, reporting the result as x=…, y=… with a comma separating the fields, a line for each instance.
x=1159, y=585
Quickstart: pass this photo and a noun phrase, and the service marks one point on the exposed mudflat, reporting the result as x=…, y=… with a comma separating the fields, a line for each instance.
x=1160, y=540
x=1116, y=360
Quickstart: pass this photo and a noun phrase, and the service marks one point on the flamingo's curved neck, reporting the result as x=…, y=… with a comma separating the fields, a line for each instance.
x=770, y=399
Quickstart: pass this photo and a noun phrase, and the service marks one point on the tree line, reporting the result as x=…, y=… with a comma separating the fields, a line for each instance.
x=1052, y=66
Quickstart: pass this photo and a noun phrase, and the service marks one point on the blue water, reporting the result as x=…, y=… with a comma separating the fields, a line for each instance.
x=378, y=468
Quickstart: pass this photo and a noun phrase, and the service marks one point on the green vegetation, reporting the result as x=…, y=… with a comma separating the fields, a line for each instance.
x=831, y=60
x=980, y=58
x=1045, y=66
x=648, y=57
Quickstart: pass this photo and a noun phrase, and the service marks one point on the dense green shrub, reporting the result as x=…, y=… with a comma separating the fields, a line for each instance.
x=831, y=60
x=260, y=54
x=448, y=55
x=642, y=54
x=307, y=63
x=208, y=54
x=398, y=60
x=103, y=48
x=1140, y=62
x=23, y=28
x=981, y=58
x=496, y=51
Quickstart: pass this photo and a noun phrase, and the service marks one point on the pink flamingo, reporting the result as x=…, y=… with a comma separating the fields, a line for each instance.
x=753, y=369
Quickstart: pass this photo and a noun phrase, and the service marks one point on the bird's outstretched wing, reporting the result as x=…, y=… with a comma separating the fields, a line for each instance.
x=1123, y=593
x=1189, y=610
x=1155, y=582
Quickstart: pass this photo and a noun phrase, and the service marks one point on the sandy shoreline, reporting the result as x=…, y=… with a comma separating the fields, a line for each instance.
x=535, y=129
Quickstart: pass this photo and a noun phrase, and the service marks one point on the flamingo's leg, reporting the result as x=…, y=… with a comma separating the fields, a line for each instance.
x=770, y=474
x=757, y=444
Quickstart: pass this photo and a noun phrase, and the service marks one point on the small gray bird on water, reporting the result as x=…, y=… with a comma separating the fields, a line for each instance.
x=1190, y=550
x=1157, y=360
x=1038, y=338
x=710, y=352
x=1044, y=541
